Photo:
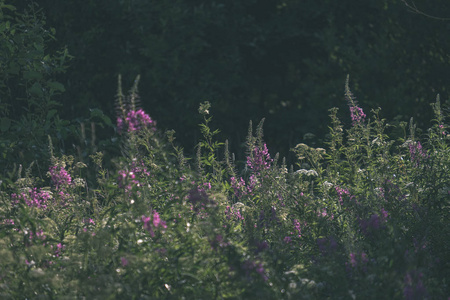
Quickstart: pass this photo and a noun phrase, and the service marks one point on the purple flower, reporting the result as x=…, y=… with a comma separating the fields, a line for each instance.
x=157, y=223
x=199, y=199
x=417, y=153
x=260, y=159
x=358, y=260
x=218, y=242
x=413, y=286
x=60, y=177
x=353, y=261
x=233, y=213
x=238, y=187
x=33, y=198
x=135, y=121
x=250, y=266
x=297, y=227
x=357, y=115
x=261, y=246
x=340, y=193
x=326, y=245
x=148, y=225
x=124, y=261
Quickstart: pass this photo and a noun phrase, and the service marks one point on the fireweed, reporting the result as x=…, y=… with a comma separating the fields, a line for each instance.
x=365, y=218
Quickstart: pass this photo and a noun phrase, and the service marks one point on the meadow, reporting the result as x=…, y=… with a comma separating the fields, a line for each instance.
x=364, y=218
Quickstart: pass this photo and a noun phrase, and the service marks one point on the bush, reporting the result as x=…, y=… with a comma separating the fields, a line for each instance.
x=365, y=218
x=28, y=88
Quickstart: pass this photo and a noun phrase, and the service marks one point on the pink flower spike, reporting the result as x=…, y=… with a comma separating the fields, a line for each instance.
x=124, y=261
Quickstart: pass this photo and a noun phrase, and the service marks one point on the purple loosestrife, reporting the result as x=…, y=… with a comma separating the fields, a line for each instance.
x=357, y=261
x=287, y=239
x=413, y=286
x=123, y=261
x=260, y=159
x=238, y=187
x=198, y=198
x=232, y=213
x=157, y=223
x=417, y=153
x=33, y=198
x=241, y=189
x=357, y=114
x=218, y=242
x=250, y=266
x=327, y=245
x=60, y=177
x=340, y=193
x=298, y=228
x=375, y=222
x=129, y=178
x=135, y=121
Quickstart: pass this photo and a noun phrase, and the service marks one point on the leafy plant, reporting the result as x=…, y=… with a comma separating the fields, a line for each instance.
x=29, y=88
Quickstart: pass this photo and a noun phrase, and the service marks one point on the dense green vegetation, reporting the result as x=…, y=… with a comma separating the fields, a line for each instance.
x=100, y=201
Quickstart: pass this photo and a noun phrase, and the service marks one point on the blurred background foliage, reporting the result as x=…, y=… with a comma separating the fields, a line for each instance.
x=283, y=60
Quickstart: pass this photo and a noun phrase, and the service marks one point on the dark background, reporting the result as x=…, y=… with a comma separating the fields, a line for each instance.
x=286, y=61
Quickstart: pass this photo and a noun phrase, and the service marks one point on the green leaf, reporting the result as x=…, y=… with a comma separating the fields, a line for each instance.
x=8, y=6
x=32, y=75
x=95, y=112
x=36, y=89
x=56, y=86
x=51, y=113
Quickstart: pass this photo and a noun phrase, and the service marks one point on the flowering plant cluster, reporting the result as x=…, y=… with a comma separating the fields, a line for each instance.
x=365, y=218
x=135, y=121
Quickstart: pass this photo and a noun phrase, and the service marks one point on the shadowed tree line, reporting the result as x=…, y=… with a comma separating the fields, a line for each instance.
x=283, y=60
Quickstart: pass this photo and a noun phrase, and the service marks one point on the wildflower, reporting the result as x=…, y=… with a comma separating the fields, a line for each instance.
x=327, y=245
x=238, y=186
x=357, y=261
x=233, y=213
x=124, y=261
x=59, y=248
x=340, y=193
x=33, y=198
x=147, y=225
x=260, y=159
x=417, y=153
x=136, y=121
x=357, y=115
x=249, y=266
x=413, y=286
x=60, y=177
x=297, y=227
x=374, y=222
x=287, y=239
x=218, y=242
x=353, y=261
x=261, y=246
x=157, y=223
x=199, y=198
